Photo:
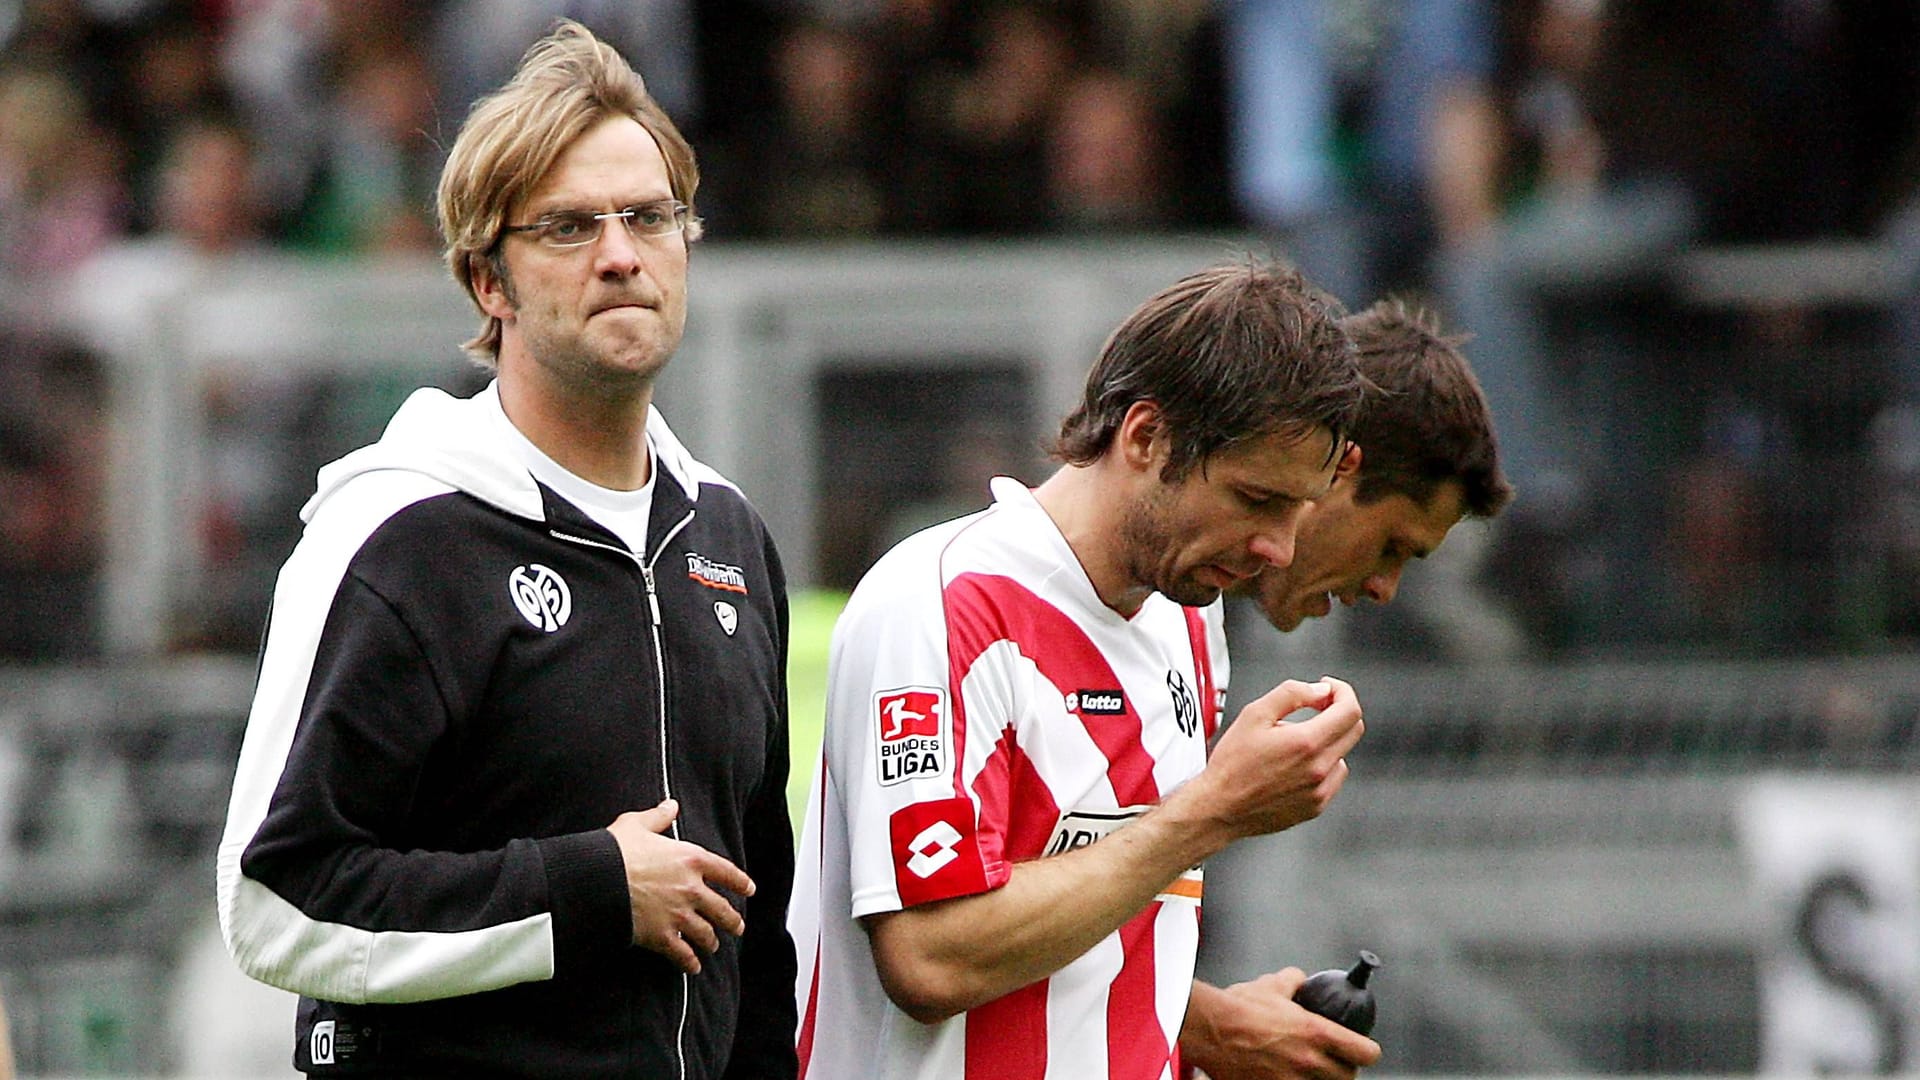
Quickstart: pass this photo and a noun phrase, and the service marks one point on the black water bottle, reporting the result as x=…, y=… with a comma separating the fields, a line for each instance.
x=1342, y=996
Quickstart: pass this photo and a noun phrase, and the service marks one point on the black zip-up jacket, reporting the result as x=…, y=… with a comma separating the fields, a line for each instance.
x=465, y=680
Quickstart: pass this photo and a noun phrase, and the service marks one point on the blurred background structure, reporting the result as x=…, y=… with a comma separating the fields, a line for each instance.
x=1638, y=792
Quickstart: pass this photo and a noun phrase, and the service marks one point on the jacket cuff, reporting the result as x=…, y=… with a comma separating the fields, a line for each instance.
x=587, y=891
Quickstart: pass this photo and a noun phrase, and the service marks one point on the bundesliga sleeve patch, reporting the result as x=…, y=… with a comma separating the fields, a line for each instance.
x=935, y=853
x=912, y=734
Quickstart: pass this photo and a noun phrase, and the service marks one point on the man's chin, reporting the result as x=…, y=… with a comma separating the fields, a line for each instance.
x=1285, y=621
x=1192, y=593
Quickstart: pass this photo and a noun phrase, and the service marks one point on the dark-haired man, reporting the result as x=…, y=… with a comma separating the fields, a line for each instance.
x=1425, y=459
x=999, y=875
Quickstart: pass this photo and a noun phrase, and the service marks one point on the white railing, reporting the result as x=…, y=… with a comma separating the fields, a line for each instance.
x=762, y=324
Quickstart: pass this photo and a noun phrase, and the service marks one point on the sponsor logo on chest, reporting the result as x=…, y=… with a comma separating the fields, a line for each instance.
x=1079, y=828
x=1184, y=703
x=1097, y=702
x=716, y=575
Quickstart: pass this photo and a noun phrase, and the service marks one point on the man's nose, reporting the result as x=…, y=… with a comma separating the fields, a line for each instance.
x=1382, y=587
x=616, y=251
x=1274, y=546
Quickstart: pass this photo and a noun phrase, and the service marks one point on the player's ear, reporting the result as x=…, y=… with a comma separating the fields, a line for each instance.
x=1141, y=440
x=491, y=289
x=1349, y=468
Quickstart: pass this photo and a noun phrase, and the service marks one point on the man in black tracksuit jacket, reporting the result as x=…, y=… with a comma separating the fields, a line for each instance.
x=512, y=796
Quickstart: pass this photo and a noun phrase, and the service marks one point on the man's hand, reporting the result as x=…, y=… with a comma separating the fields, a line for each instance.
x=671, y=887
x=1256, y=1031
x=1266, y=774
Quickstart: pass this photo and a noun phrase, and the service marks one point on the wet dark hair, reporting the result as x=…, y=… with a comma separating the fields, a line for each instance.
x=1231, y=353
x=1424, y=420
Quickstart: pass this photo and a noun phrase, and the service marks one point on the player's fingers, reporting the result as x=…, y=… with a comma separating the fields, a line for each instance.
x=659, y=818
x=1339, y=692
x=718, y=871
x=1347, y=738
x=682, y=955
x=1339, y=725
x=1274, y=706
x=696, y=931
x=1285, y=982
x=1290, y=695
x=1336, y=779
x=1352, y=1050
x=714, y=910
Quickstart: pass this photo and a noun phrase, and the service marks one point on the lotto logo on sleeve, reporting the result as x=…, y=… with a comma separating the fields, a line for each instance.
x=911, y=726
x=935, y=854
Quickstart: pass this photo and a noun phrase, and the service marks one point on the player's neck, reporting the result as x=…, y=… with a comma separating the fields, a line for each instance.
x=1088, y=508
x=599, y=438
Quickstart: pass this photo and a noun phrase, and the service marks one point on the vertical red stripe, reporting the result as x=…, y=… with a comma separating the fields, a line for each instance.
x=1202, y=670
x=805, y=1048
x=1007, y=1037
x=1136, y=1046
x=983, y=609
x=1012, y=780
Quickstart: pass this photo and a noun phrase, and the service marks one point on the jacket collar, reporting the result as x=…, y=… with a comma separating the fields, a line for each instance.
x=458, y=442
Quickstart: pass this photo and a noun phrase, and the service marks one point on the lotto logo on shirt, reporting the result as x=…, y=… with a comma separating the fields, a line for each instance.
x=910, y=723
x=935, y=854
x=1097, y=702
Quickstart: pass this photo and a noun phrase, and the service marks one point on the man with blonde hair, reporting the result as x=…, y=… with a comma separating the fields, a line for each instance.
x=511, y=799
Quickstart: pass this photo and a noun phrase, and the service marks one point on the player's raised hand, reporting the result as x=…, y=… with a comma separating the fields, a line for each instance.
x=1267, y=773
x=671, y=887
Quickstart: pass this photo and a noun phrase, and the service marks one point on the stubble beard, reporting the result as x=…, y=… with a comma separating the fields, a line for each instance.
x=575, y=363
x=575, y=367
x=1146, y=535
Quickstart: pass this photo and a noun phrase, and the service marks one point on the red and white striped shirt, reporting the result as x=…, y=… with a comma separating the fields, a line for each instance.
x=984, y=708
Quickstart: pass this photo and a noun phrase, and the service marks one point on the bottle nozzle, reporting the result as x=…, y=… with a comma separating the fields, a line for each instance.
x=1342, y=996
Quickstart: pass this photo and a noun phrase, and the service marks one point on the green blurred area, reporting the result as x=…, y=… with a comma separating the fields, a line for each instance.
x=813, y=612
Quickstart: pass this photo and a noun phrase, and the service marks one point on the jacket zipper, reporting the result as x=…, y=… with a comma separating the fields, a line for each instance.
x=660, y=684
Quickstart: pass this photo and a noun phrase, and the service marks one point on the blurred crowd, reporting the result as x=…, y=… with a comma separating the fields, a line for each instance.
x=1525, y=165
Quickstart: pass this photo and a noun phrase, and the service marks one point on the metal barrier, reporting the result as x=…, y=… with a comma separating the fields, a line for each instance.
x=1557, y=862
x=763, y=325
x=1549, y=906
x=113, y=787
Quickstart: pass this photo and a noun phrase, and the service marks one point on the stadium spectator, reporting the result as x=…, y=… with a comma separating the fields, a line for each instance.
x=1357, y=132
x=814, y=164
x=168, y=74
x=374, y=179
x=61, y=196
x=1008, y=688
x=512, y=794
x=53, y=449
x=1106, y=165
x=996, y=118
